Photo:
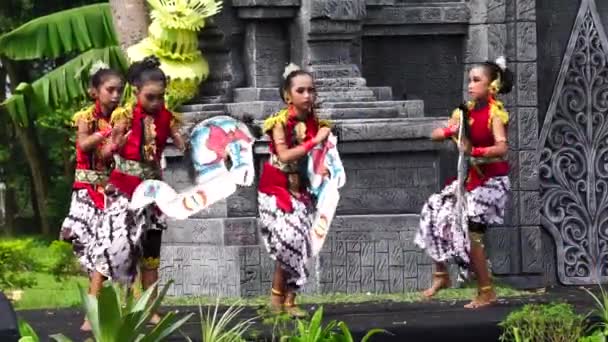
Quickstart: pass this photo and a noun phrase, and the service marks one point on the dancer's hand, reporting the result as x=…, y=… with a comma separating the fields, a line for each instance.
x=324, y=171
x=464, y=146
x=322, y=134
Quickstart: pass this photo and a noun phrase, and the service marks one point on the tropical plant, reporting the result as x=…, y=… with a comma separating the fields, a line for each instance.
x=601, y=309
x=87, y=30
x=215, y=328
x=556, y=322
x=173, y=38
x=334, y=331
x=27, y=333
x=111, y=321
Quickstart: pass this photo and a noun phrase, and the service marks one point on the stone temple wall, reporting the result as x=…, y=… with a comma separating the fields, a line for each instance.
x=364, y=55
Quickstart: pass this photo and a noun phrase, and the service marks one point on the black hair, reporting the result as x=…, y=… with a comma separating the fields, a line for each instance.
x=255, y=129
x=146, y=70
x=495, y=71
x=287, y=82
x=102, y=75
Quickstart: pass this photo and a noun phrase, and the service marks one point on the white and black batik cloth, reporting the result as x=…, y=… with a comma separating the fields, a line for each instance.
x=119, y=247
x=438, y=234
x=80, y=227
x=287, y=237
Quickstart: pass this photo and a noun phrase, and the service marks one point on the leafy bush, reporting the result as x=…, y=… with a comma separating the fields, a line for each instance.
x=551, y=323
x=62, y=263
x=15, y=261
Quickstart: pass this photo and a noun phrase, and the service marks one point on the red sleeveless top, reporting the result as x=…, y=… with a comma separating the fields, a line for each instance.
x=145, y=145
x=482, y=136
x=273, y=181
x=92, y=160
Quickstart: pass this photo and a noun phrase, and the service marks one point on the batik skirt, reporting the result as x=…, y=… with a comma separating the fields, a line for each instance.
x=440, y=236
x=122, y=237
x=287, y=236
x=80, y=227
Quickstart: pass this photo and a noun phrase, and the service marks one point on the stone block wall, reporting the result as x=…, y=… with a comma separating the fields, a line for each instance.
x=416, y=67
x=370, y=245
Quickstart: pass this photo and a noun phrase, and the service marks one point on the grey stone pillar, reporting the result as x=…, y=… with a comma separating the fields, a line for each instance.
x=266, y=50
x=325, y=35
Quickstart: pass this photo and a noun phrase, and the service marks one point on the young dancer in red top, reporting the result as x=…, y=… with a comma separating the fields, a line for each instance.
x=139, y=137
x=487, y=185
x=285, y=205
x=92, y=170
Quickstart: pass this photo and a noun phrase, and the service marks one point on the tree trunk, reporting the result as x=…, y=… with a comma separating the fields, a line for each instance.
x=131, y=21
x=68, y=163
x=28, y=140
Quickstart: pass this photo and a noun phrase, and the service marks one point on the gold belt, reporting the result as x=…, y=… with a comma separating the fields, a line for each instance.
x=484, y=160
x=90, y=176
x=136, y=168
x=285, y=167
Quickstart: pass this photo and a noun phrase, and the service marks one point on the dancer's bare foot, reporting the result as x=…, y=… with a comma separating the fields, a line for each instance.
x=441, y=280
x=86, y=326
x=155, y=319
x=485, y=297
x=291, y=308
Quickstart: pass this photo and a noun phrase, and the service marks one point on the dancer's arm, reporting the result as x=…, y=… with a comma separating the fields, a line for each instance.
x=286, y=154
x=87, y=141
x=500, y=147
x=178, y=140
x=118, y=138
x=442, y=133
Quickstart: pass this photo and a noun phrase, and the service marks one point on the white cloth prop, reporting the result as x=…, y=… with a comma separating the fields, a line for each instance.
x=213, y=141
x=324, y=188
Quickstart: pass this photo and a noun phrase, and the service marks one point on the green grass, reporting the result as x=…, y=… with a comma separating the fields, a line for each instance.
x=49, y=293
x=52, y=293
x=343, y=298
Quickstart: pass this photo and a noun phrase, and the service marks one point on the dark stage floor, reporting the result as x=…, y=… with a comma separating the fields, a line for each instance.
x=416, y=322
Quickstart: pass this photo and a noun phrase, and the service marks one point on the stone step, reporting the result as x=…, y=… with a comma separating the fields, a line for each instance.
x=360, y=113
x=347, y=94
x=383, y=93
x=323, y=100
x=198, y=116
x=256, y=94
x=409, y=108
x=349, y=82
x=202, y=107
x=335, y=71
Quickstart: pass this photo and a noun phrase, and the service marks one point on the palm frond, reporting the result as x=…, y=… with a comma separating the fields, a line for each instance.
x=61, y=87
x=54, y=35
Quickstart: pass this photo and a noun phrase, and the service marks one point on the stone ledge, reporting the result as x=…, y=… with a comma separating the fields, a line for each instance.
x=265, y=3
x=416, y=15
x=266, y=9
x=267, y=13
x=256, y=94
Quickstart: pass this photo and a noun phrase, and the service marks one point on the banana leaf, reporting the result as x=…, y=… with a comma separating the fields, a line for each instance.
x=61, y=87
x=77, y=29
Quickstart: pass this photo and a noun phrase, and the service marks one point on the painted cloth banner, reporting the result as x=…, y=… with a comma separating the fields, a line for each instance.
x=213, y=141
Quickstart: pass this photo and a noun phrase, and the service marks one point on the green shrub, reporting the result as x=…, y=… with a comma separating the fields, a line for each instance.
x=15, y=262
x=62, y=261
x=547, y=323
